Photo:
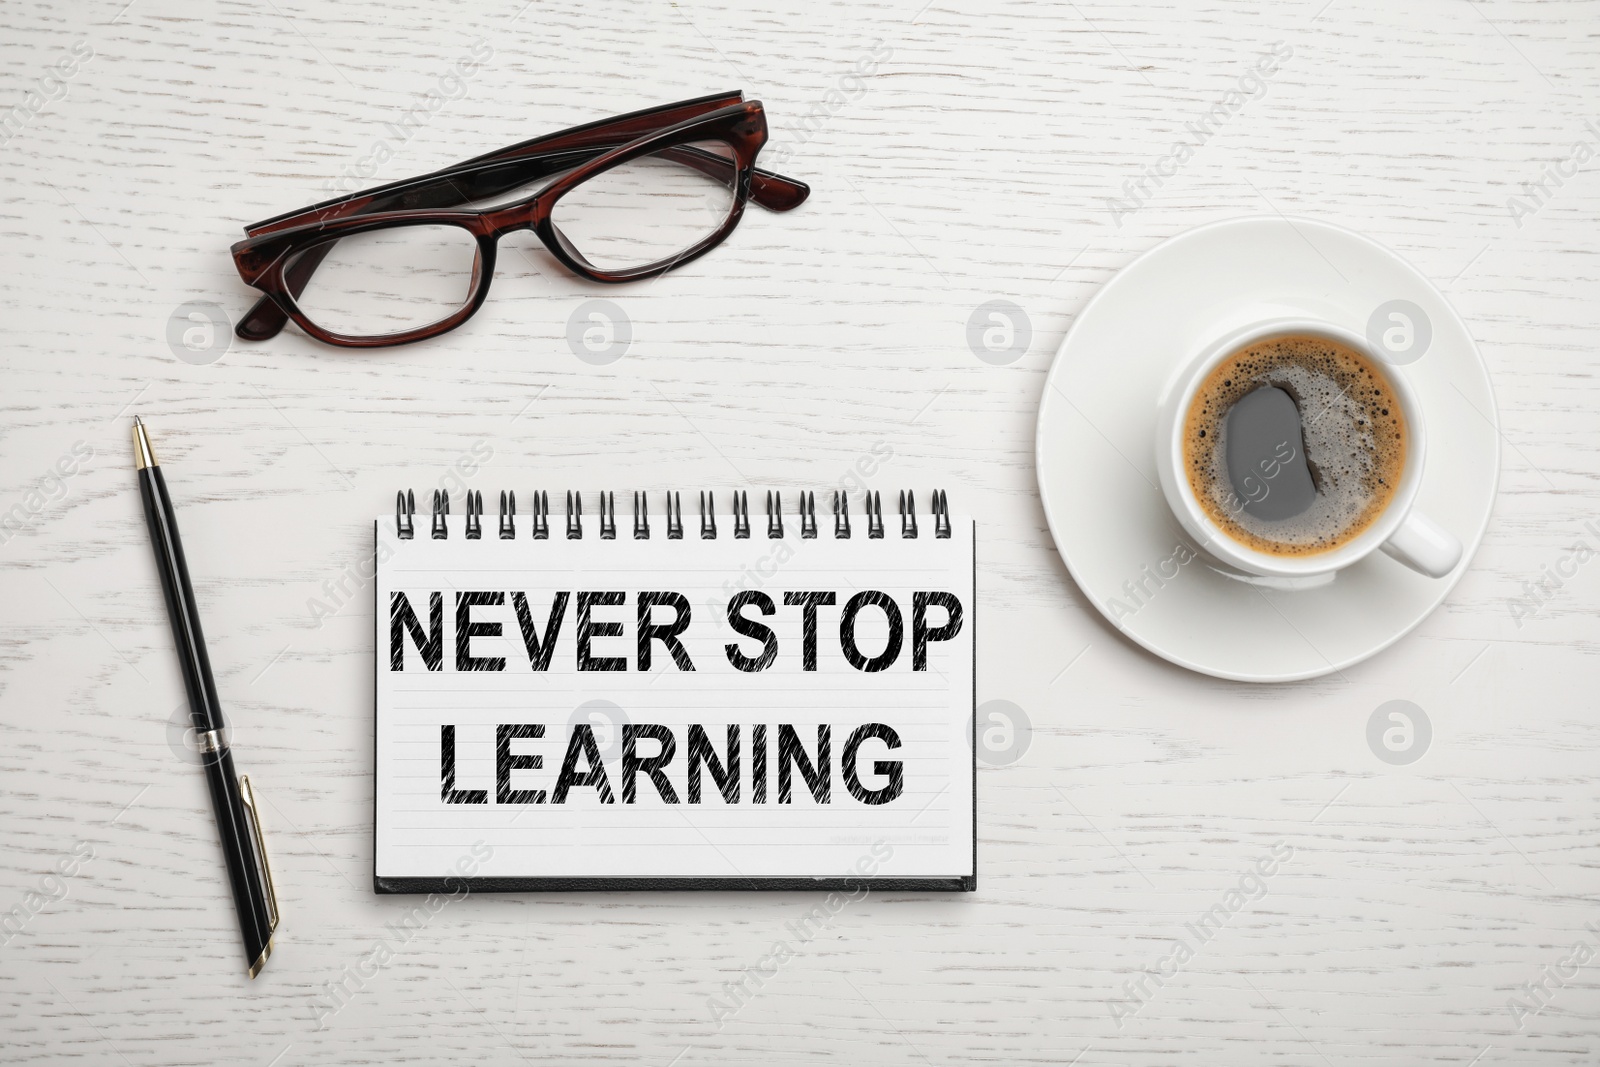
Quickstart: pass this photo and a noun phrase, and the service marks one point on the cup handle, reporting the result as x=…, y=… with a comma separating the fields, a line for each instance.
x=1425, y=546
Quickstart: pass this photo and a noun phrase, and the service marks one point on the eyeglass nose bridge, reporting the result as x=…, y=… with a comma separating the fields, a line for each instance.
x=510, y=219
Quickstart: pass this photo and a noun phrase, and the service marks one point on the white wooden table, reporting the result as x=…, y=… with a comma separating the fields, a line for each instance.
x=973, y=161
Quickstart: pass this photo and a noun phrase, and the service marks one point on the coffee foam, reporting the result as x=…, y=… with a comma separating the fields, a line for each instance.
x=1354, y=441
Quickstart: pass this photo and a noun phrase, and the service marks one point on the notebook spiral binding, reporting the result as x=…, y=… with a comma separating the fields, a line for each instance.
x=405, y=509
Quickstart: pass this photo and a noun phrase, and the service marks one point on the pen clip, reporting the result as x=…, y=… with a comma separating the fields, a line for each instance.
x=249, y=799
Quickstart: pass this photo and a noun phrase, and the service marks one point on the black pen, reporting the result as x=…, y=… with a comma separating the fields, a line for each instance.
x=238, y=823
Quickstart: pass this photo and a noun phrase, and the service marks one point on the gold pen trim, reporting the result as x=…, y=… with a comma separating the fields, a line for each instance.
x=143, y=455
x=255, y=968
x=249, y=798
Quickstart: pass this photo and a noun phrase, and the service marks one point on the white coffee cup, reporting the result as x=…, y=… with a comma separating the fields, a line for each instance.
x=1401, y=531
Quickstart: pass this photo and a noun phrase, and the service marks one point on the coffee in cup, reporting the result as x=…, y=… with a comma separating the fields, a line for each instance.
x=1293, y=445
x=1290, y=449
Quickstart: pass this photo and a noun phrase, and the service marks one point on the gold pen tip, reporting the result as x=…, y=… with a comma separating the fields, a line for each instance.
x=261, y=961
x=143, y=455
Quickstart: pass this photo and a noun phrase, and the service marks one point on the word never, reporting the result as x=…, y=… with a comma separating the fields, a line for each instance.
x=701, y=760
x=403, y=621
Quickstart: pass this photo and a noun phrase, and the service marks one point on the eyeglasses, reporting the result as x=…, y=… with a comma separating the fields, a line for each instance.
x=616, y=201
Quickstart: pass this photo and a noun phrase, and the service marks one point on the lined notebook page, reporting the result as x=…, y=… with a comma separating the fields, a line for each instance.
x=908, y=806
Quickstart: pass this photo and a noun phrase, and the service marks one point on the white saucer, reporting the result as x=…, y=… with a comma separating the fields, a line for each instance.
x=1096, y=448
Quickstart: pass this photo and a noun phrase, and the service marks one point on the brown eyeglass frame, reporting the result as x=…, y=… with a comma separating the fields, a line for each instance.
x=280, y=254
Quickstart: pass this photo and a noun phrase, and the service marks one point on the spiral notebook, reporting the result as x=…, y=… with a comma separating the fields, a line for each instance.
x=577, y=702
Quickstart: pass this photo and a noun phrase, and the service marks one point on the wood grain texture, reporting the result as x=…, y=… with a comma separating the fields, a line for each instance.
x=975, y=162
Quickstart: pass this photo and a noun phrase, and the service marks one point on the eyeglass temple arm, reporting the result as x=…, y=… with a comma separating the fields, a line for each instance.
x=489, y=176
x=265, y=318
x=772, y=191
x=584, y=141
x=486, y=179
